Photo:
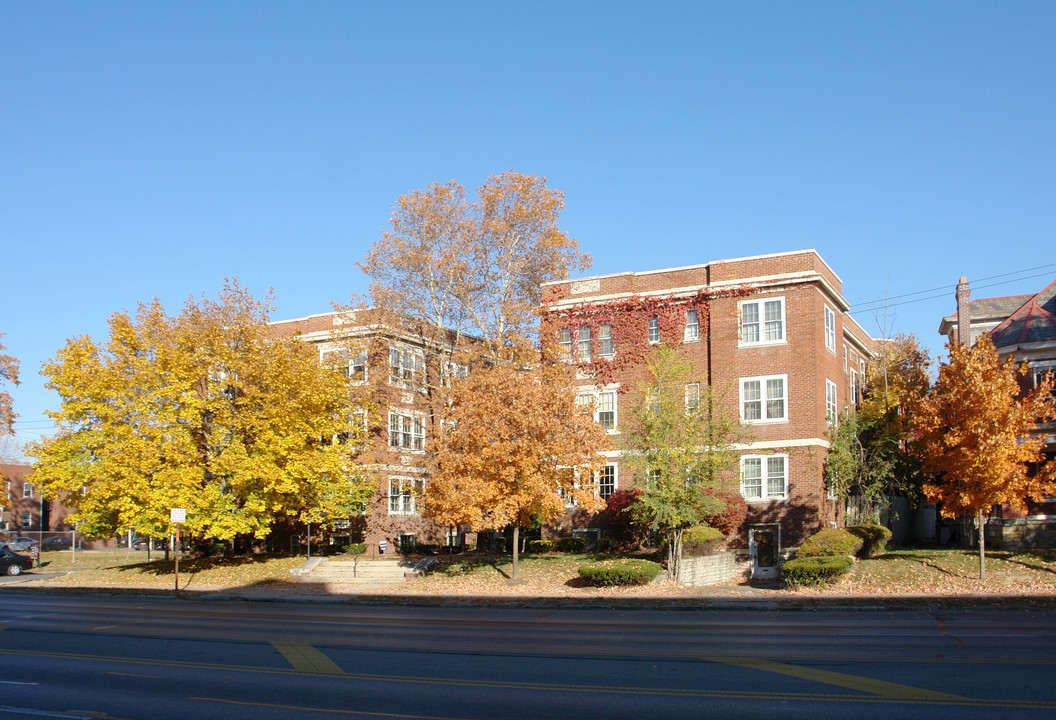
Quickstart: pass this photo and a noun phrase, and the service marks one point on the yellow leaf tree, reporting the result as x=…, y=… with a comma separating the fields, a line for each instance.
x=974, y=435
x=8, y=373
x=207, y=411
x=516, y=448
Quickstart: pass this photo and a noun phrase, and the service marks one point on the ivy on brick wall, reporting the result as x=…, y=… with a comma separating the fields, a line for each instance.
x=629, y=319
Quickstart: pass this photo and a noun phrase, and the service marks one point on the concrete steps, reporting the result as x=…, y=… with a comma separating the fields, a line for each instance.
x=359, y=572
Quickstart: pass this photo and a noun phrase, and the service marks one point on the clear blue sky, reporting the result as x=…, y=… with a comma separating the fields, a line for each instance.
x=153, y=149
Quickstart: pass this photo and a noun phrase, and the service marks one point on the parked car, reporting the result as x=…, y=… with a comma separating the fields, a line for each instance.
x=56, y=542
x=21, y=544
x=12, y=563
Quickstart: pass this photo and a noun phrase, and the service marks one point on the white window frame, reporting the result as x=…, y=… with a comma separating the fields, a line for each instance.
x=610, y=469
x=830, y=329
x=404, y=494
x=406, y=366
x=764, y=399
x=452, y=370
x=692, y=398
x=831, y=406
x=854, y=388
x=583, y=350
x=770, y=467
x=596, y=397
x=1038, y=369
x=27, y=519
x=845, y=358
x=605, y=346
x=692, y=332
x=761, y=322
x=408, y=431
x=654, y=329
x=27, y=490
x=564, y=344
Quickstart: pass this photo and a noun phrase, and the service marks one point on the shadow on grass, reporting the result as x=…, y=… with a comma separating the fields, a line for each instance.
x=471, y=565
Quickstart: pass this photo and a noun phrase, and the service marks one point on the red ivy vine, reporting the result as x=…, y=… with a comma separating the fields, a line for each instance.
x=629, y=320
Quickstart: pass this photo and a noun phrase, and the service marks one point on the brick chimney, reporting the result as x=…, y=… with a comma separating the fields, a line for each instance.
x=964, y=313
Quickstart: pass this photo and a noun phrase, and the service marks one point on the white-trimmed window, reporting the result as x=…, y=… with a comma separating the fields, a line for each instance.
x=584, y=344
x=452, y=370
x=692, y=398
x=764, y=477
x=406, y=432
x=406, y=540
x=654, y=329
x=845, y=358
x=854, y=388
x=406, y=366
x=831, y=410
x=27, y=491
x=27, y=519
x=352, y=365
x=605, y=348
x=830, y=329
x=1039, y=370
x=763, y=399
x=692, y=326
x=606, y=481
x=564, y=343
x=405, y=496
x=604, y=409
x=763, y=321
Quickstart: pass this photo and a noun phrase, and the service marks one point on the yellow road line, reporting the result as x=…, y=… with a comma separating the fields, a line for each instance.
x=880, y=688
x=299, y=708
x=302, y=656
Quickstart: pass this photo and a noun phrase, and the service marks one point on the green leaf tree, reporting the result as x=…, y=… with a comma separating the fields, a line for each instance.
x=680, y=443
x=207, y=411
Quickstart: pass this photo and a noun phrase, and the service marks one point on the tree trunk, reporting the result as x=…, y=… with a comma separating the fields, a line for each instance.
x=982, y=547
x=516, y=532
x=674, y=554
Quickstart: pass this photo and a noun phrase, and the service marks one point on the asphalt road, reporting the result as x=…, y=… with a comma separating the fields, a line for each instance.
x=148, y=658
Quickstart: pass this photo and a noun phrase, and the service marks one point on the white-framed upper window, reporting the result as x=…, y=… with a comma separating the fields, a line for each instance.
x=27, y=519
x=692, y=398
x=763, y=399
x=692, y=326
x=830, y=330
x=763, y=321
x=405, y=496
x=406, y=366
x=831, y=409
x=406, y=432
x=606, y=481
x=854, y=388
x=654, y=329
x=604, y=409
x=452, y=370
x=564, y=343
x=764, y=477
x=353, y=365
x=1039, y=370
x=584, y=344
x=845, y=358
x=605, y=347
x=27, y=491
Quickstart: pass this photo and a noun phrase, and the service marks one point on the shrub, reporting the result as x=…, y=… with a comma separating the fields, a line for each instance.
x=701, y=540
x=874, y=538
x=607, y=545
x=354, y=548
x=830, y=542
x=572, y=544
x=500, y=544
x=815, y=570
x=542, y=545
x=620, y=572
x=618, y=519
x=732, y=516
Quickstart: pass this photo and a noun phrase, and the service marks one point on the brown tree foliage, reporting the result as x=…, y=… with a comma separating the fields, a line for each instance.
x=8, y=373
x=516, y=448
x=896, y=379
x=974, y=435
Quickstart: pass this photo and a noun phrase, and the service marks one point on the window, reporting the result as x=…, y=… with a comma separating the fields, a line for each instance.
x=564, y=343
x=762, y=321
x=1039, y=373
x=27, y=490
x=652, y=478
x=764, y=477
x=27, y=519
x=358, y=366
x=692, y=326
x=763, y=399
x=654, y=329
x=452, y=370
x=406, y=540
x=406, y=432
x=692, y=398
x=845, y=358
x=584, y=344
x=605, y=340
x=830, y=402
x=405, y=496
x=607, y=481
x=406, y=366
x=830, y=329
x=607, y=410
x=854, y=387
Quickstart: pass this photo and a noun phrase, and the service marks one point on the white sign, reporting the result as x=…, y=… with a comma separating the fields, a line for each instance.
x=177, y=515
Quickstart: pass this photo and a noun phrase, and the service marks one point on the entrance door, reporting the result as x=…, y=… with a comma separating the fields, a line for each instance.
x=763, y=545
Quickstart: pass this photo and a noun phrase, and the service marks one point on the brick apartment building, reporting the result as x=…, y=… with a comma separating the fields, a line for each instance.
x=774, y=329
x=398, y=364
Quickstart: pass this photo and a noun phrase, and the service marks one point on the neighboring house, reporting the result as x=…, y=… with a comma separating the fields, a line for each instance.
x=1022, y=327
x=24, y=507
x=399, y=364
x=774, y=329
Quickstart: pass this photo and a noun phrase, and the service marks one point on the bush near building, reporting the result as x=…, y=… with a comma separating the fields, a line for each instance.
x=620, y=572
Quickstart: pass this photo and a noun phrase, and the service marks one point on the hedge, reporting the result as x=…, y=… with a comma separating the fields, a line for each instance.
x=874, y=538
x=620, y=572
x=572, y=544
x=815, y=570
x=830, y=542
x=701, y=540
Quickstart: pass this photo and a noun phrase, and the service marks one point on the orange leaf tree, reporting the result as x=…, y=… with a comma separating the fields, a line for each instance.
x=516, y=448
x=8, y=373
x=974, y=435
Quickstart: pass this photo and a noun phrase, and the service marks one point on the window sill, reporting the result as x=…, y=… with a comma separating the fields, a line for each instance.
x=761, y=343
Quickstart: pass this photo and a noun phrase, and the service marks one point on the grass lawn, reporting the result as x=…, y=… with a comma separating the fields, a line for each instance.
x=131, y=569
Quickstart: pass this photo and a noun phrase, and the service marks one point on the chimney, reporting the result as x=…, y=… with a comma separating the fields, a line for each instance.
x=964, y=313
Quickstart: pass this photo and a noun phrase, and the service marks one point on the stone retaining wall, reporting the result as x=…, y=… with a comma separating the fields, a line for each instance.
x=712, y=569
